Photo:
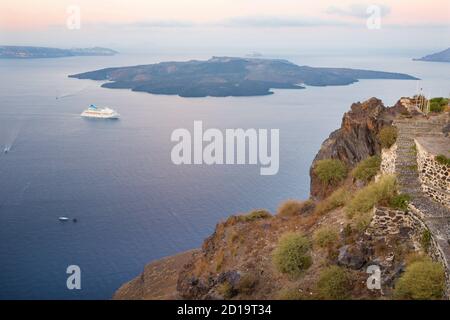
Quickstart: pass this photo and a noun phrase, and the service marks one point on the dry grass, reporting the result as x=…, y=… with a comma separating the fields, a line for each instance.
x=388, y=136
x=337, y=199
x=291, y=208
x=367, y=169
x=374, y=193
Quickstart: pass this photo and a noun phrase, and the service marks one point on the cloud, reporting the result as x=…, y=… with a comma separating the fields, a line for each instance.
x=162, y=24
x=279, y=22
x=136, y=25
x=360, y=11
x=236, y=22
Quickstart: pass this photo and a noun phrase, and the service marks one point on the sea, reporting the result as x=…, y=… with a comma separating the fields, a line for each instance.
x=132, y=205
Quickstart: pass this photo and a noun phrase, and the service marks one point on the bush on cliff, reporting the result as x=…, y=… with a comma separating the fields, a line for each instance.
x=326, y=236
x=294, y=207
x=442, y=160
x=400, y=201
x=438, y=104
x=387, y=136
x=367, y=169
x=422, y=280
x=292, y=254
x=330, y=171
x=379, y=192
x=335, y=283
x=425, y=240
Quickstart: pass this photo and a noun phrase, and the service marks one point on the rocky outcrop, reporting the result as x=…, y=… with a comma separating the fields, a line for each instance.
x=355, y=140
x=157, y=281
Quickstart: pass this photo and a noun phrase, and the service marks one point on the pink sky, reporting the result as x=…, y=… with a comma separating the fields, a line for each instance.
x=31, y=14
x=220, y=25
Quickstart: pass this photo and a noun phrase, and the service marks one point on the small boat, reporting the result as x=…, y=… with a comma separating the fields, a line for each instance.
x=63, y=219
x=6, y=150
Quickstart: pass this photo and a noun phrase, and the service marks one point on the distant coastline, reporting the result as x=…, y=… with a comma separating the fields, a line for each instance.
x=29, y=52
x=442, y=56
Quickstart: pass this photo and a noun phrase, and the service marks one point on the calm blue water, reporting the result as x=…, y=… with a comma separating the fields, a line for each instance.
x=132, y=204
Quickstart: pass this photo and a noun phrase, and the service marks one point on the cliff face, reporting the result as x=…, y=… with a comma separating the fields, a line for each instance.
x=235, y=262
x=355, y=140
x=157, y=281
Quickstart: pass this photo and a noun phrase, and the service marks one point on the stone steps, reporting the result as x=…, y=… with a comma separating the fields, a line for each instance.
x=435, y=216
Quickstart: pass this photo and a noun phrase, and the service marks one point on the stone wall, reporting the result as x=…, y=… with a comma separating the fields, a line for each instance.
x=435, y=250
x=388, y=157
x=434, y=177
x=387, y=222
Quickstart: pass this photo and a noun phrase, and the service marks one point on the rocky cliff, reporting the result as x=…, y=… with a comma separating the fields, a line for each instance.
x=355, y=140
x=237, y=260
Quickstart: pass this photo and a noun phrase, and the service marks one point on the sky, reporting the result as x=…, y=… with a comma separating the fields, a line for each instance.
x=254, y=25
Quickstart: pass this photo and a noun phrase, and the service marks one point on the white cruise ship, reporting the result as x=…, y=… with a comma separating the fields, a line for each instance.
x=101, y=113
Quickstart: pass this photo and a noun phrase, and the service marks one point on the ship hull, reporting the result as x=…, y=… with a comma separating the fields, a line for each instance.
x=100, y=116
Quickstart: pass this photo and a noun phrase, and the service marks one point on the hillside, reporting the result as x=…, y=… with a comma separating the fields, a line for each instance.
x=442, y=56
x=24, y=52
x=227, y=76
x=380, y=197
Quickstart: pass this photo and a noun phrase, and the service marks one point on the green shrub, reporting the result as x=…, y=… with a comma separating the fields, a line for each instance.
x=425, y=240
x=367, y=168
x=326, y=236
x=400, y=201
x=255, y=215
x=422, y=280
x=294, y=207
x=330, y=171
x=337, y=199
x=438, y=104
x=413, y=150
x=387, y=136
x=292, y=254
x=374, y=193
x=442, y=160
x=334, y=283
x=415, y=257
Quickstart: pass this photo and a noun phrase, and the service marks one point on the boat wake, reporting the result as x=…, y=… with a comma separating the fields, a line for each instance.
x=71, y=94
